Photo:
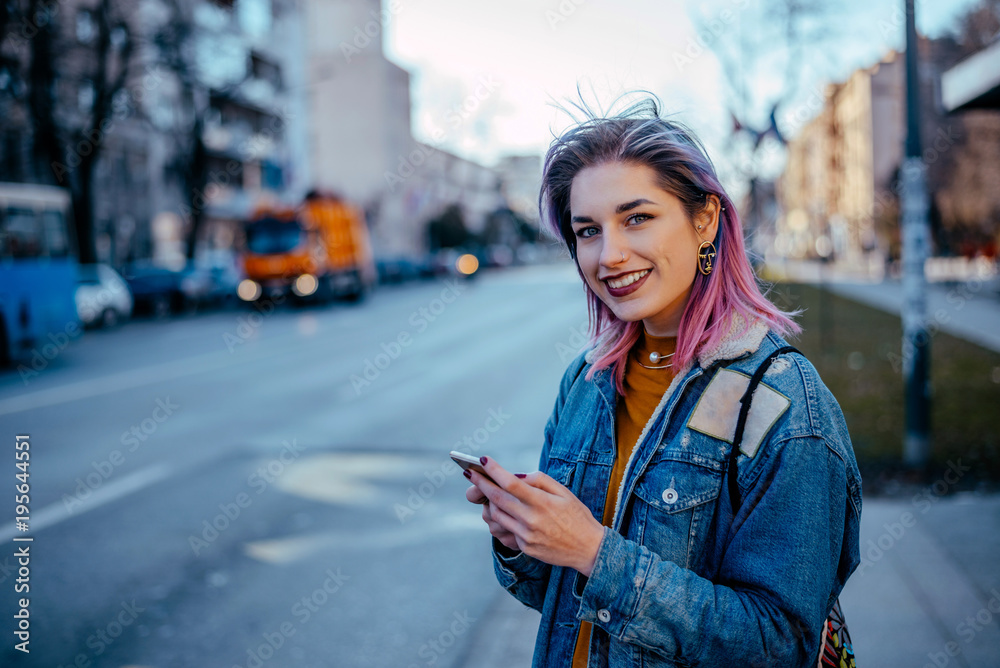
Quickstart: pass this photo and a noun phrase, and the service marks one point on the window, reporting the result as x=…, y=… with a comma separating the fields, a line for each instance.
x=54, y=225
x=86, y=26
x=85, y=96
x=20, y=234
x=272, y=175
x=265, y=70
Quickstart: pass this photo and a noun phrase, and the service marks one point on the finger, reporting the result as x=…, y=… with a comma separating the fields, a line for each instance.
x=496, y=495
x=504, y=520
x=495, y=528
x=505, y=479
x=475, y=495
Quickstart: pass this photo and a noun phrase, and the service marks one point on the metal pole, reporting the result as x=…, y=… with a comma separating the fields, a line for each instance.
x=916, y=233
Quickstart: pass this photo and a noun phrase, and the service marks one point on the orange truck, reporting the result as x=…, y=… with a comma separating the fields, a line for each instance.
x=317, y=251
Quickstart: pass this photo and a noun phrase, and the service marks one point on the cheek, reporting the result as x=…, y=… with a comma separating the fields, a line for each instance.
x=588, y=257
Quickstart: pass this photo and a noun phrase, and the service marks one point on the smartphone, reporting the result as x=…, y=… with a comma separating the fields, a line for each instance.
x=468, y=462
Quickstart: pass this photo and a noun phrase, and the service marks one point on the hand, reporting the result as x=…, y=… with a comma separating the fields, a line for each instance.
x=547, y=520
x=475, y=495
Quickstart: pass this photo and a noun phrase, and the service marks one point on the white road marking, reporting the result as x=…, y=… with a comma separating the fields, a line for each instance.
x=132, y=378
x=106, y=493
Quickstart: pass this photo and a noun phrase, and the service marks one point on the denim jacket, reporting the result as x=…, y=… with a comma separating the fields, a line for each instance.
x=678, y=580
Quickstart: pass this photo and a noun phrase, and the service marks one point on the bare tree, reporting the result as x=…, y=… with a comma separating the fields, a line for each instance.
x=979, y=26
x=759, y=39
x=177, y=45
x=66, y=133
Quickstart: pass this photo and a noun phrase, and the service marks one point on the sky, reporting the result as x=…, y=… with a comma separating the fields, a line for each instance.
x=485, y=77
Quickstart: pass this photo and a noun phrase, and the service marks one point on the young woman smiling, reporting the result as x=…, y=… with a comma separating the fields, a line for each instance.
x=663, y=528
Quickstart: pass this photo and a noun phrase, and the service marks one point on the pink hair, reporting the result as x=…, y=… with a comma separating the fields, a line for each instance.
x=640, y=136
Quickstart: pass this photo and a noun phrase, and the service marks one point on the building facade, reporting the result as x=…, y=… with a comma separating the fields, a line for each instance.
x=839, y=191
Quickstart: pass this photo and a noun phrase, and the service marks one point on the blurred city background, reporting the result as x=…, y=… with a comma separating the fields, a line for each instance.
x=263, y=263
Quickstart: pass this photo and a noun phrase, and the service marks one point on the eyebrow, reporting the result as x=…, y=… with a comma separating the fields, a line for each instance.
x=621, y=208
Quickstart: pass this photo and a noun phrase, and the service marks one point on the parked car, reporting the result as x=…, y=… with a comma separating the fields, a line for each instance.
x=226, y=272
x=103, y=299
x=155, y=289
x=396, y=269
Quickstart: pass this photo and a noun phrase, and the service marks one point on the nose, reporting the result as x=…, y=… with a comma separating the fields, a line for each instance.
x=612, y=249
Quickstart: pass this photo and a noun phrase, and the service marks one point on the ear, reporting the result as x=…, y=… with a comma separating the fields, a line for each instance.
x=709, y=218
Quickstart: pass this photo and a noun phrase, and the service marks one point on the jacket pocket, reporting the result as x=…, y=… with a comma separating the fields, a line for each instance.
x=675, y=505
x=561, y=471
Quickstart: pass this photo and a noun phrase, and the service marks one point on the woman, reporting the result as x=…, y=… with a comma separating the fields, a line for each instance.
x=625, y=539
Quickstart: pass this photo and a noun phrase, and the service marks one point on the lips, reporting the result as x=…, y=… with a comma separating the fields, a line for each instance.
x=637, y=278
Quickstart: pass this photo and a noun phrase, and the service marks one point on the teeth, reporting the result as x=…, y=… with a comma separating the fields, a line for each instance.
x=628, y=279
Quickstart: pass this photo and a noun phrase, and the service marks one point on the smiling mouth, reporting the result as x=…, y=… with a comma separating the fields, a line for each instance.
x=626, y=280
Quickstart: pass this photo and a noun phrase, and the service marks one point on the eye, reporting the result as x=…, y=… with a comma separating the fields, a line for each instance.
x=644, y=216
x=582, y=232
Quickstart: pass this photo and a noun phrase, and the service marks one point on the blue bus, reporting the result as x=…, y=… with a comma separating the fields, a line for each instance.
x=38, y=273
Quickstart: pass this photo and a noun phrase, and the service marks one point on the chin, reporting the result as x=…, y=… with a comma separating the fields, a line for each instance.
x=629, y=314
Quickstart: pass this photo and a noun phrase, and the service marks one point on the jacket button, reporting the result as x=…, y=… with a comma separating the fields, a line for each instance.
x=604, y=615
x=670, y=495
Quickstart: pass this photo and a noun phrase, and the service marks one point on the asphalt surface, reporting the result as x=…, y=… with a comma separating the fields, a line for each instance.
x=927, y=593
x=230, y=489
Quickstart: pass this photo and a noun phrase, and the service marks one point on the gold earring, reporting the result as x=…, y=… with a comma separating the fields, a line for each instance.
x=705, y=257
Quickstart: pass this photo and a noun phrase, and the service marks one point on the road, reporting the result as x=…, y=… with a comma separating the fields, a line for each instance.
x=249, y=488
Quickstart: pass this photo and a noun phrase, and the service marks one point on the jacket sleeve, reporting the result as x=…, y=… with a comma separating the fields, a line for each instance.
x=768, y=602
x=524, y=576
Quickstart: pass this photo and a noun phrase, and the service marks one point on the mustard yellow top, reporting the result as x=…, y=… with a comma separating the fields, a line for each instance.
x=643, y=390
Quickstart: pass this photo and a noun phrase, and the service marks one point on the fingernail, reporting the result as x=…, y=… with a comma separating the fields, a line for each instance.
x=521, y=475
x=482, y=460
x=467, y=474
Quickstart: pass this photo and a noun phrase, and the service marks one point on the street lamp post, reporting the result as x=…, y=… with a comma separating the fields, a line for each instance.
x=916, y=233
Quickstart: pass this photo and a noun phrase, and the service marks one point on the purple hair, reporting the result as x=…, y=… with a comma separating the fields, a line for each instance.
x=640, y=136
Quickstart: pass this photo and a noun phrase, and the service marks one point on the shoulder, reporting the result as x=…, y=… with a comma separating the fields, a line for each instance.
x=576, y=368
x=813, y=413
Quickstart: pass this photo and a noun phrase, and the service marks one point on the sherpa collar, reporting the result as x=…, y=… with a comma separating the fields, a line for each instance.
x=733, y=344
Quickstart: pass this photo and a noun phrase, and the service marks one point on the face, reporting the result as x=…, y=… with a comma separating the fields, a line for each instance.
x=617, y=209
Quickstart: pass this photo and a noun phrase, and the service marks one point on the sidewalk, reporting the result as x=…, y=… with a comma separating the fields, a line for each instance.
x=927, y=593
x=968, y=309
